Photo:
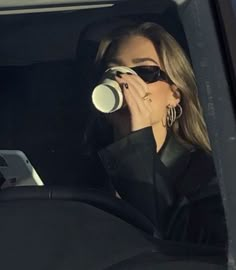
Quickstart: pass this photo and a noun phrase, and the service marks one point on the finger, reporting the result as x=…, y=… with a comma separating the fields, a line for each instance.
x=133, y=99
x=140, y=86
x=142, y=105
x=136, y=87
x=135, y=104
x=138, y=91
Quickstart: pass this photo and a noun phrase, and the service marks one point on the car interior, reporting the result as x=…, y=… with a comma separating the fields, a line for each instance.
x=46, y=65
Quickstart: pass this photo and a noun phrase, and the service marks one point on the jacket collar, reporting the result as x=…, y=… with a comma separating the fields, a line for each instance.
x=176, y=159
x=173, y=153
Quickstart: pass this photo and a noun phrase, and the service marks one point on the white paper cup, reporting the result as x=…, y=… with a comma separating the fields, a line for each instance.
x=107, y=97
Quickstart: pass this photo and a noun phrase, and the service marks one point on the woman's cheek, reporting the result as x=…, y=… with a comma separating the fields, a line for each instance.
x=158, y=110
x=159, y=103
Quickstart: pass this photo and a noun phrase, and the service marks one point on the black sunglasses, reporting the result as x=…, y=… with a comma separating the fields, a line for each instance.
x=151, y=74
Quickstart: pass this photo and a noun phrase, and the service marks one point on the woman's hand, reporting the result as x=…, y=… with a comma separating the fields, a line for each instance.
x=137, y=113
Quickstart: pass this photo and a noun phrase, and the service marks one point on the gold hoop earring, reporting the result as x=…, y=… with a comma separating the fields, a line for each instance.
x=172, y=114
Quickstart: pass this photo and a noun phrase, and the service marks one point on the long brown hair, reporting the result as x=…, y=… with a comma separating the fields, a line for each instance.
x=190, y=128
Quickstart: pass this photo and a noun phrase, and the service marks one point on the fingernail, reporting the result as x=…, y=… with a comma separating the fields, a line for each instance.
x=118, y=74
x=124, y=86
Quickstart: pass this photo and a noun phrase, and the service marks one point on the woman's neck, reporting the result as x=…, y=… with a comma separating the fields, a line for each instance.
x=159, y=133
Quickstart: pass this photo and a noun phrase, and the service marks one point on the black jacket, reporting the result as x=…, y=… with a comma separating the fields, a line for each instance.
x=176, y=188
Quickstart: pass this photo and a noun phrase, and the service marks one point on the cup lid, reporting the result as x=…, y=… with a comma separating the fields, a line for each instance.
x=122, y=69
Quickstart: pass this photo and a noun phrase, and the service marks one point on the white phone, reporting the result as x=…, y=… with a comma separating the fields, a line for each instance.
x=17, y=170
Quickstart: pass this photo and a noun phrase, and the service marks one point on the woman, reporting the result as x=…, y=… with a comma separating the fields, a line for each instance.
x=159, y=157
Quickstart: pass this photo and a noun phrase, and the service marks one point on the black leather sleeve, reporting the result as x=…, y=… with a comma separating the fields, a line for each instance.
x=138, y=174
x=200, y=222
x=200, y=216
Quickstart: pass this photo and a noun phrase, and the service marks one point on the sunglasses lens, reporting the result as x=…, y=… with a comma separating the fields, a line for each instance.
x=148, y=73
